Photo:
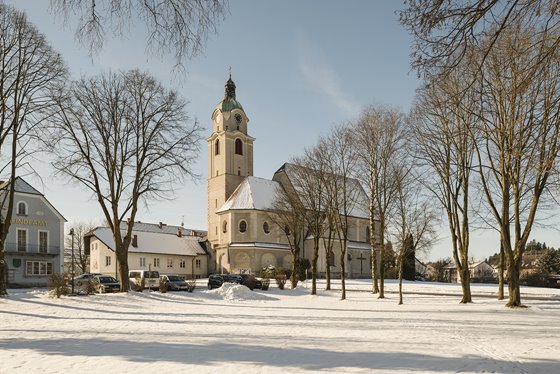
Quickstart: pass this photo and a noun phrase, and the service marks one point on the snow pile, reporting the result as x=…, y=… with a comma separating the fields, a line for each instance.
x=237, y=292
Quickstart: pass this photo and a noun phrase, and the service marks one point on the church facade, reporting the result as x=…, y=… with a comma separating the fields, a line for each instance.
x=241, y=234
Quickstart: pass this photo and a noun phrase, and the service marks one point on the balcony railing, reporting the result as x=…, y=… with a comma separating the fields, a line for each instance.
x=33, y=249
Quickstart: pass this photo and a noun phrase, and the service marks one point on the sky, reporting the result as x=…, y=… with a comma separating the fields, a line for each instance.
x=300, y=67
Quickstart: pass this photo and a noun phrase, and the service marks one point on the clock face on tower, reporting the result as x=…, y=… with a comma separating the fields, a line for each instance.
x=238, y=118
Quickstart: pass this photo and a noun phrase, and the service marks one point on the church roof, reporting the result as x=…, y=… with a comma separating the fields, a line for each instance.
x=154, y=242
x=252, y=193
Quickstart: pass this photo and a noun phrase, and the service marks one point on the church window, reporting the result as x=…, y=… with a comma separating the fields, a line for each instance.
x=217, y=147
x=224, y=227
x=266, y=229
x=238, y=147
x=22, y=208
x=242, y=226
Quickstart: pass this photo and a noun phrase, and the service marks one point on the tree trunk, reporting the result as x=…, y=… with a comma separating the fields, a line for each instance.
x=295, y=254
x=122, y=257
x=401, y=268
x=381, y=273
x=3, y=274
x=466, y=284
x=513, y=273
x=342, y=275
x=501, y=267
x=374, y=275
x=314, y=265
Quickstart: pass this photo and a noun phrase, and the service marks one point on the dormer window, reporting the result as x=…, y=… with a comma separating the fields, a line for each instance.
x=22, y=208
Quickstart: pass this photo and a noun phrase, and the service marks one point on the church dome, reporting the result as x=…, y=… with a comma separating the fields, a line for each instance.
x=229, y=102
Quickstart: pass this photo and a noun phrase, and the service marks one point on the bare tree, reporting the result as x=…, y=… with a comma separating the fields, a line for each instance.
x=444, y=118
x=343, y=190
x=180, y=27
x=521, y=132
x=444, y=30
x=128, y=140
x=379, y=136
x=81, y=254
x=288, y=213
x=30, y=74
x=413, y=221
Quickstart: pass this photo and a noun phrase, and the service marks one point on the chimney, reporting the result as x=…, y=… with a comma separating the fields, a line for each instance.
x=135, y=241
x=179, y=232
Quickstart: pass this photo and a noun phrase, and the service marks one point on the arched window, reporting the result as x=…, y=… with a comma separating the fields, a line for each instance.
x=224, y=227
x=266, y=229
x=22, y=208
x=217, y=147
x=238, y=147
x=242, y=226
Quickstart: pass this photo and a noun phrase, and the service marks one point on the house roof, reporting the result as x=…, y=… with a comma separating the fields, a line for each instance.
x=154, y=242
x=163, y=228
x=252, y=193
x=21, y=186
x=359, y=207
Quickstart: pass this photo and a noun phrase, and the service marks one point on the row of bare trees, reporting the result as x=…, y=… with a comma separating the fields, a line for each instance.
x=488, y=118
x=323, y=197
x=122, y=136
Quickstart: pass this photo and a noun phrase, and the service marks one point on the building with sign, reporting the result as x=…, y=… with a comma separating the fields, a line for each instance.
x=35, y=243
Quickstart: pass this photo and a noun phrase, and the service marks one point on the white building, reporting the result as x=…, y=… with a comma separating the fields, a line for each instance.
x=34, y=246
x=167, y=249
x=241, y=234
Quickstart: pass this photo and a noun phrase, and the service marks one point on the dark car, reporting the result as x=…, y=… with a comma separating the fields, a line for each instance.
x=176, y=283
x=248, y=280
x=106, y=283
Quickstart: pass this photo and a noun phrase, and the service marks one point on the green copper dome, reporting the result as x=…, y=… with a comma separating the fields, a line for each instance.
x=229, y=102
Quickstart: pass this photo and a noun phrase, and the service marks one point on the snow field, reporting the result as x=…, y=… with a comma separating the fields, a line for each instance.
x=233, y=329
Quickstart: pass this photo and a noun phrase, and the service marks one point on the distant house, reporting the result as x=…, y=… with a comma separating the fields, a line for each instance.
x=167, y=249
x=35, y=243
x=478, y=271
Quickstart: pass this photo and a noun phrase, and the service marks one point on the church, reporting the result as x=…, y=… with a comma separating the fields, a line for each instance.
x=241, y=235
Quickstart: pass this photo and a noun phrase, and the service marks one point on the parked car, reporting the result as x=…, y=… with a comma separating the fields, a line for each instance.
x=81, y=280
x=106, y=283
x=141, y=279
x=177, y=283
x=248, y=280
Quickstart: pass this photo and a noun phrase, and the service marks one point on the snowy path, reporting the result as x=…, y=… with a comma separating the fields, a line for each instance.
x=288, y=330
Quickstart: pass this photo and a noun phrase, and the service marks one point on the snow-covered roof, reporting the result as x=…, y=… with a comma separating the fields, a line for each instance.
x=163, y=228
x=153, y=242
x=252, y=193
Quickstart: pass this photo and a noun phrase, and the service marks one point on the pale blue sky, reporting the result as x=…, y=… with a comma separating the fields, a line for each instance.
x=300, y=67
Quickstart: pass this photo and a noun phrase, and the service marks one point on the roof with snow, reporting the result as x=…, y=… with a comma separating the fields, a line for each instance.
x=252, y=193
x=154, y=242
x=163, y=228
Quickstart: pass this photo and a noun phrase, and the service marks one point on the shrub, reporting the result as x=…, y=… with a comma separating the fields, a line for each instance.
x=138, y=284
x=163, y=285
x=302, y=264
x=89, y=287
x=58, y=285
x=281, y=281
x=268, y=272
x=192, y=285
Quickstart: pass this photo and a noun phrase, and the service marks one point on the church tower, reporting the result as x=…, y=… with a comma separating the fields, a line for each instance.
x=230, y=156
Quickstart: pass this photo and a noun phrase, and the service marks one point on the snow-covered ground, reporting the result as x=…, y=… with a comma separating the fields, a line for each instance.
x=234, y=330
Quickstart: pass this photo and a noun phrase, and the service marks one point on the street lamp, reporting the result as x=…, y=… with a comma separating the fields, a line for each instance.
x=72, y=233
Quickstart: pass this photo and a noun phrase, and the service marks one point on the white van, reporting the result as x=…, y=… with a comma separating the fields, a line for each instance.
x=149, y=278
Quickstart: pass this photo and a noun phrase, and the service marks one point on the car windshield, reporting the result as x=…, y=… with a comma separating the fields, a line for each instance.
x=107, y=280
x=174, y=278
x=152, y=274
